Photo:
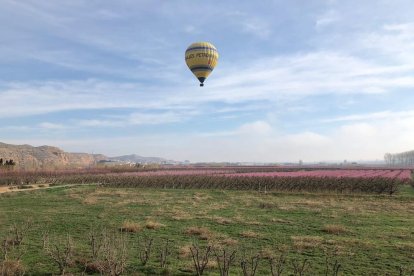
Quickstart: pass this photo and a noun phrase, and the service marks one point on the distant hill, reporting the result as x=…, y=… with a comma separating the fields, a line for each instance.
x=133, y=158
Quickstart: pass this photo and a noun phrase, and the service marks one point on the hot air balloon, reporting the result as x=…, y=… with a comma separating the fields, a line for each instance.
x=201, y=58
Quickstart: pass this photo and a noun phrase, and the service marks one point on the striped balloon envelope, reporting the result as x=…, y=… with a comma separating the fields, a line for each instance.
x=201, y=58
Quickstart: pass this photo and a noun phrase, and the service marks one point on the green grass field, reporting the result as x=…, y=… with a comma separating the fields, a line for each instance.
x=371, y=235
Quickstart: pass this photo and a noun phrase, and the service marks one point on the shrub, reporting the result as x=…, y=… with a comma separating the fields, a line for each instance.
x=11, y=268
x=201, y=232
x=153, y=225
x=129, y=226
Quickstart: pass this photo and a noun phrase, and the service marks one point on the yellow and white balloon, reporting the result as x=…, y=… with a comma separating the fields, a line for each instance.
x=201, y=58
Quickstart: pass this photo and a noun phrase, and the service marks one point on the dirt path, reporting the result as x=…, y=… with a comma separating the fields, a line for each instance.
x=12, y=189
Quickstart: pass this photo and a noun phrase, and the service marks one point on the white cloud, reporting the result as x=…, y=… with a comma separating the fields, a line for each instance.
x=53, y=96
x=139, y=118
x=327, y=18
x=247, y=23
x=394, y=43
x=315, y=73
x=257, y=27
x=191, y=29
x=48, y=125
x=373, y=116
x=255, y=128
x=99, y=123
x=362, y=140
x=108, y=14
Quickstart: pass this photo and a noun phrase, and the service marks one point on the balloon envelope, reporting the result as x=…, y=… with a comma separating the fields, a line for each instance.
x=201, y=58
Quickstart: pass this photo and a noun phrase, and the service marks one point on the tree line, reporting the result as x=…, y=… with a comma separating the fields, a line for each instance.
x=7, y=163
x=400, y=159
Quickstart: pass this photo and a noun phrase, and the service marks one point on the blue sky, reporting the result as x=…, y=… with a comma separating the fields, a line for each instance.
x=310, y=80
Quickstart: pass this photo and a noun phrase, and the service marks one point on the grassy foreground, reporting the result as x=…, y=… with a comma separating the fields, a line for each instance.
x=370, y=235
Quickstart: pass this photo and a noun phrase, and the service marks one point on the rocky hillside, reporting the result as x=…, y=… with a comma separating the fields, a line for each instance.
x=29, y=157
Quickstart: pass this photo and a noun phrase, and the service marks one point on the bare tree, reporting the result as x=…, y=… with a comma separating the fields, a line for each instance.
x=300, y=267
x=249, y=264
x=95, y=243
x=400, y=159
x=200, y=259
x=224, y=260
x=165, y=252
x=145, y=250
x=61, y=254
x=332, y=267
x=13, y=241
x=114, y=253
x=277, y=265
x=18, y=232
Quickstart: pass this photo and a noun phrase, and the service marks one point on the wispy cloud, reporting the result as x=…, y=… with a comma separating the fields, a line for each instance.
x=373, y=116
x=137, y=118
x=252, y=25
x=327, y=18
x=257, y=27
x=48, y=125
x=395, y=42
x=270, y=79
x=191, y=29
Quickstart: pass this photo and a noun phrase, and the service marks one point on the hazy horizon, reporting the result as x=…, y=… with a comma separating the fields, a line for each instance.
x=308, y=80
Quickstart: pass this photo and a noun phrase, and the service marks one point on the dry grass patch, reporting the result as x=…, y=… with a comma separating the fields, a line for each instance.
x=201, y=214
x=354, y=242
x=90, y=200
x=188, y=266
x=129, y=226
x=181, y=215
x=217, y=206
x=111, y=192
x=253, y=222
x=229, y=242
x=128, y=201
x=100, y=215
x=201, y=232
x=249, y=234
x=242, y=220
x=11, y=267
x=267, y=205
x=201, y=196
x=399, y=235
x=306, y=242
x=184, y=252
x=287, y=207
x=278, y=220
x=212, y=264
x=406, y=246
x=334, y=229
x=333, y=215
x=312, y=204
x=267, y=253
x=150, y=224
x=222, y=221
x=77, y=195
